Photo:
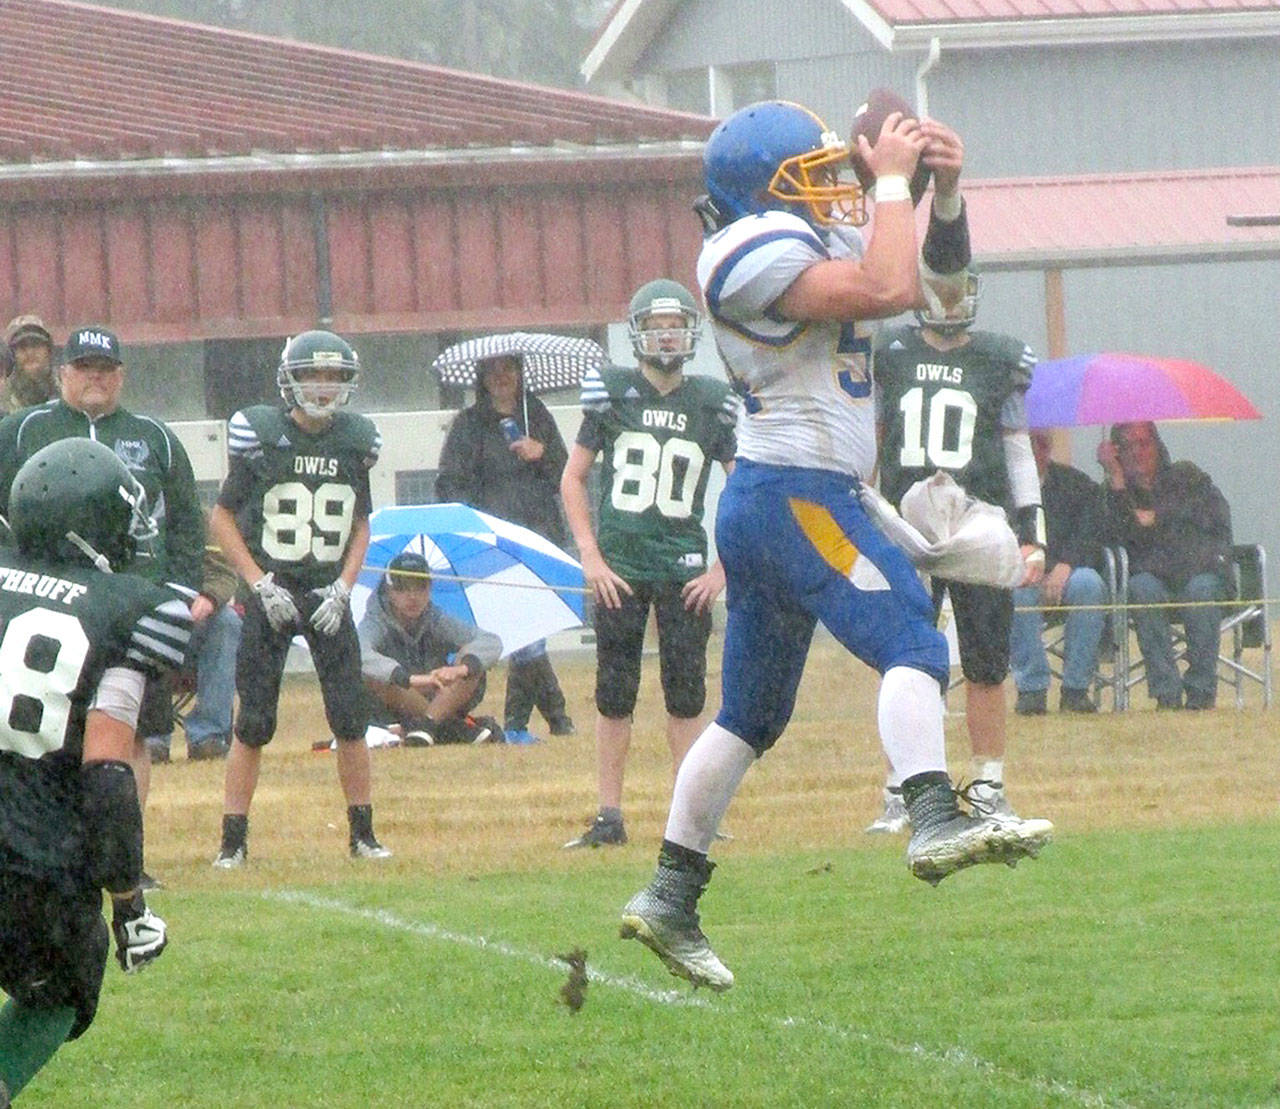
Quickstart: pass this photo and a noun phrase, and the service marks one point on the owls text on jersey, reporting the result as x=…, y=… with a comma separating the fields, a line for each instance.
x=297, y=494
x=805, y=386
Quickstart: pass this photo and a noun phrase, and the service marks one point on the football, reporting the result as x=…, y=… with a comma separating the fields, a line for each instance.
x=867, y=120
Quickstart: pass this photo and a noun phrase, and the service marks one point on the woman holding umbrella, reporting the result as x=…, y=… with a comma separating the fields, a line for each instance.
x=504, y=455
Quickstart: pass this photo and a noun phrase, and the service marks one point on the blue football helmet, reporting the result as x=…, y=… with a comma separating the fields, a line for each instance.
x=779, y=156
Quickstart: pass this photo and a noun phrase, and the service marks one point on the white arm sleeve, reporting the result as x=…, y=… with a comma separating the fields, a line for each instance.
x=119, y=694
x=1020, y=461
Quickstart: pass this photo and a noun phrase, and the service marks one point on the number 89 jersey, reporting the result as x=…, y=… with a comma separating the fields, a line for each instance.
x=656, y=453
x=948, y=410
x=63, y=626
x=296, y=494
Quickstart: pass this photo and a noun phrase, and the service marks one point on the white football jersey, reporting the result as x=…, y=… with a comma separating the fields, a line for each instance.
x=805, y=386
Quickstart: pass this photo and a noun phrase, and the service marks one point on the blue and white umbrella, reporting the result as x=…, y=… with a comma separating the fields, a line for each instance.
x=497, y=575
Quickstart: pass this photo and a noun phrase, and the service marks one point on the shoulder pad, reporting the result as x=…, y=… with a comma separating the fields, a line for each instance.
x=901, y=334
x=249, y=428
x=362, y=431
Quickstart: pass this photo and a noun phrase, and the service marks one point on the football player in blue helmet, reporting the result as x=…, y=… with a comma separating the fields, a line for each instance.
x=778, y=155
x=792, y=292
x=318, y=372
x=663, y=323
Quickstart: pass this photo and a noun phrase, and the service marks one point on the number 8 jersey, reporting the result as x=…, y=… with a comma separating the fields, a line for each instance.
x=948, y=410
x=295, y=494
x=61, y=628
x=656, y=452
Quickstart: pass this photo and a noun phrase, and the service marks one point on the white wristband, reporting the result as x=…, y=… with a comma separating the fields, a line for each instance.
x=891, y=188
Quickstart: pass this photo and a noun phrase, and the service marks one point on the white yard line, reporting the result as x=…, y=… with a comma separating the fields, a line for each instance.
x=481, y=943
x=957, y=1057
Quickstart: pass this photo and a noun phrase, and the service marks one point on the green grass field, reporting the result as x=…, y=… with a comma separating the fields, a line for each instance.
x=1134, y=964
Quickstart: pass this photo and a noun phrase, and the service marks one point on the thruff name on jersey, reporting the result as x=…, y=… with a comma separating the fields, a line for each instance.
x=41, y=585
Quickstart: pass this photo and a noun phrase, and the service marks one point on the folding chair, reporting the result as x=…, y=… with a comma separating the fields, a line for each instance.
x=1246, y=619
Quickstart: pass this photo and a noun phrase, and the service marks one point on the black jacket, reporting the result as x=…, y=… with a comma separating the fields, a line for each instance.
x=1192, y=531
x=1073, y=517
x=478, y=467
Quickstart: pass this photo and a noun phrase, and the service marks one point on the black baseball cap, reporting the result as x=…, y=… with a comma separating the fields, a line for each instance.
x=408, y=569
x=92, y=342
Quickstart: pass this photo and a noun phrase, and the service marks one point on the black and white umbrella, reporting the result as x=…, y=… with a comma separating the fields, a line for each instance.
x=550, y=361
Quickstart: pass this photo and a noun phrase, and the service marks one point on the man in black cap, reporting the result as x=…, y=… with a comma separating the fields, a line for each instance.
x=424, y=668
x=29, y=373
x=90, y=383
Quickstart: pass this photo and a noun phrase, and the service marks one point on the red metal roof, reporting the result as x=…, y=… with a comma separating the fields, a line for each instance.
x=901, y=12
x=112, y=85
x=1121, y=219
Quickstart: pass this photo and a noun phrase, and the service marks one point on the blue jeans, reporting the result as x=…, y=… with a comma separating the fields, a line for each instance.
x=1082, y=634
x=1155, y=640
x=213, y=653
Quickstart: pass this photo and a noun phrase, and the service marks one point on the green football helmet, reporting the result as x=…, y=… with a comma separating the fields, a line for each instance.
x=73, y=501
x=667, y=348
x=315, y=352
x=951, y=301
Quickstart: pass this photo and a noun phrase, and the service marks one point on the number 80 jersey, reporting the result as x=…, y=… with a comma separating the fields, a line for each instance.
x=296, y=494
x=656, y=452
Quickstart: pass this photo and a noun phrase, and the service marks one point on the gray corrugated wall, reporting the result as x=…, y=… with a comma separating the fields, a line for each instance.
x=1026, y=111
x=1060, y=110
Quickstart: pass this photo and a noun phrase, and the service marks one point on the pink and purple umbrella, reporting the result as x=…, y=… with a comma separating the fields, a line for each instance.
x=1111, y=388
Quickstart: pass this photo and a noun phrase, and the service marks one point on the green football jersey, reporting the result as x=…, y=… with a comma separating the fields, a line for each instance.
x=945, y=410
x=64, y=626
x=296, y=494
x=656, y=453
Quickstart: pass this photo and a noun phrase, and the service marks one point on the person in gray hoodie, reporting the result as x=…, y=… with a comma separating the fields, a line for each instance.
x=424, y=669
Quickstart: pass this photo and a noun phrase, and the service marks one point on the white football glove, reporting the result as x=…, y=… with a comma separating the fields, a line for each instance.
x=282, y=613
x=140, y=934
x=334, y=598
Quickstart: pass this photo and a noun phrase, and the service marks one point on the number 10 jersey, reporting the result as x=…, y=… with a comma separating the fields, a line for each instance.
x=949, y=410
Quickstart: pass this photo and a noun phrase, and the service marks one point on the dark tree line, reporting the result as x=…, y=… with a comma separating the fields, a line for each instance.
x=540, y=41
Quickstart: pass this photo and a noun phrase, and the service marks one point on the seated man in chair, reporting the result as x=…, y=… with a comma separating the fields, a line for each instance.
x=1073, y=522
x=406, y=645
x=1176, y=526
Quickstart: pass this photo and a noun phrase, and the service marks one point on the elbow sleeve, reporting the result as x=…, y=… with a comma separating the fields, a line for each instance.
x=112, y=825
x=946, y=244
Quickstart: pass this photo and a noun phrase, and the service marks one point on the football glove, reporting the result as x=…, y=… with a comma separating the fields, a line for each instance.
x=282, y=613
x=334, y=598
x=140, y=934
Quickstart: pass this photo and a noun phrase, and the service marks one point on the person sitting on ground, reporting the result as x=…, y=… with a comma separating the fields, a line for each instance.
x=1073, y=520
x=1176, y=527
x=406, y=644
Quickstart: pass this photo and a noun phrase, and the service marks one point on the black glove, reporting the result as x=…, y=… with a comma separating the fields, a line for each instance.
x=140, y=934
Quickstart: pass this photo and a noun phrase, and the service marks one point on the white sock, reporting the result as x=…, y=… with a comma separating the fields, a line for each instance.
x=992, y=770
x=910, y=718
x=709, y=777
